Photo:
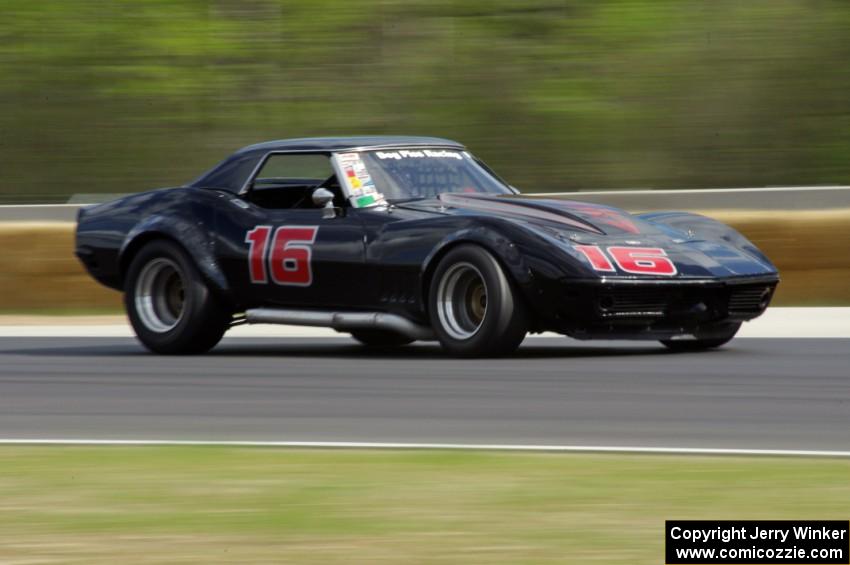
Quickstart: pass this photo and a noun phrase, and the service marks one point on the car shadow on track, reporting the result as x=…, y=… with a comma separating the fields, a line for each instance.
x=421, y=351
x=341, y=348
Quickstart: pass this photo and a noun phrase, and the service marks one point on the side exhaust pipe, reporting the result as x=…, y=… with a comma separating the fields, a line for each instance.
x=340, y=321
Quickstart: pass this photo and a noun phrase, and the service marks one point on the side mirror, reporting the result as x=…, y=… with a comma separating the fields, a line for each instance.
x=324, y=198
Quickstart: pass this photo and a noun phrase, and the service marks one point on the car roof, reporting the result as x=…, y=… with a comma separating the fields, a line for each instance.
x=348, y=143
x=232, y=173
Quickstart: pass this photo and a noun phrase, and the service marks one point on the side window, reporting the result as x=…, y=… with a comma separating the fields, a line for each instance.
x=295, y=167
x=230, y=174
x=288, y=180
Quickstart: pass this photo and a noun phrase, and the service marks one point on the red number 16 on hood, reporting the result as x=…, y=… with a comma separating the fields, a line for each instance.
x=634, y=260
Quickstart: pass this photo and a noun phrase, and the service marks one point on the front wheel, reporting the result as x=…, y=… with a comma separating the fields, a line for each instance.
x=709, y=338
x=170, y=306
x=474, y=309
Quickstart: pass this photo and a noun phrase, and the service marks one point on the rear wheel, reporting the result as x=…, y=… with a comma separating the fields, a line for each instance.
x=170, y=306
x=708, y=338
x=380, y=338
x=474, y=308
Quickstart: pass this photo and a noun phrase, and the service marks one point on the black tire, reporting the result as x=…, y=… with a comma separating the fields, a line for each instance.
x=465, y=324
x=380, y=338
x=708, y=338
x=170, y=306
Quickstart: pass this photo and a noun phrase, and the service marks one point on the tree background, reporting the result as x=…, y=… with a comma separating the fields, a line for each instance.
x=101, y=96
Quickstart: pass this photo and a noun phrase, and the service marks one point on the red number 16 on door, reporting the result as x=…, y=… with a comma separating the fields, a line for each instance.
x=287, y=260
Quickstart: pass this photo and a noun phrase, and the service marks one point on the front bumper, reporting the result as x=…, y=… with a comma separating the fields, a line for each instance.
x=655, y=309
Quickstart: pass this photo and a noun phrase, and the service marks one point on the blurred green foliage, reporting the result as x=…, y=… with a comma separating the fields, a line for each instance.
x=118, y=96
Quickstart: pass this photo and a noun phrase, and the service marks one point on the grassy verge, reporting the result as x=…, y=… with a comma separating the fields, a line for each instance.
x=55, y=311
x=208, y=505
x=39, y=273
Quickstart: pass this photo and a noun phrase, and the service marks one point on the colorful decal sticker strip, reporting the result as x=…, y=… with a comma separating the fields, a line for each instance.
x=358, y=181
x=364, y=201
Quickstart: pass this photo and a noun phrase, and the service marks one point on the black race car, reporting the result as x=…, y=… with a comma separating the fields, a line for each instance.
x=396, y=239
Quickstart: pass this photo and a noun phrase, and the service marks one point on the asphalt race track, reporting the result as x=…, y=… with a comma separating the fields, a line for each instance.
x=754, y=394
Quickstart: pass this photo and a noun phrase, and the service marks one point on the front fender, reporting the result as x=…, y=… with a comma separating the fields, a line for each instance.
x=529, y=261
x=690, y=225
x=499, y=245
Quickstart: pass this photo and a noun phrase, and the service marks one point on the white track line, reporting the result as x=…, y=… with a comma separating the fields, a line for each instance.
x=695, y=191
x=638, y=191
x=434, y=446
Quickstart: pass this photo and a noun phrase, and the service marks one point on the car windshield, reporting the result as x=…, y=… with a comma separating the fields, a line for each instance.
x=404, y=174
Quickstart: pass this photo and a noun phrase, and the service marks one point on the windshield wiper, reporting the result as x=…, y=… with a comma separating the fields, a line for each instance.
x=406, y=200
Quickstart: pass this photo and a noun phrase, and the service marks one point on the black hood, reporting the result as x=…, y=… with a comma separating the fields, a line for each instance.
x=561, y=214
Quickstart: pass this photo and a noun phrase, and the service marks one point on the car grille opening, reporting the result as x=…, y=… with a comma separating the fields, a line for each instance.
x=633, y=302
x=749, y=298
x=662, y=301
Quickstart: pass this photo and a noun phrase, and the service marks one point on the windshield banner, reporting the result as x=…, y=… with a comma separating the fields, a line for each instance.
x=416, y=154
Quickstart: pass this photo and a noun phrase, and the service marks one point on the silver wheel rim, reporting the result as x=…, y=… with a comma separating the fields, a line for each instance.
x=462, y=301
x=160, y=295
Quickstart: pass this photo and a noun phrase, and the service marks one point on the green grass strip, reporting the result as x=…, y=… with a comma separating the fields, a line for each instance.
x=246, y=505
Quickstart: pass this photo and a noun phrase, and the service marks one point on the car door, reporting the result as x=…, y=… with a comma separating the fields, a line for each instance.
x=278, y=248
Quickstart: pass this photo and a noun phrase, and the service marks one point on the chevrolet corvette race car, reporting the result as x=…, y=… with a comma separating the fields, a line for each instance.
x=397, y=239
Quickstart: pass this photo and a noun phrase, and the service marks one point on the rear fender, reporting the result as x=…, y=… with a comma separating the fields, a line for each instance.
x=190, y=235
